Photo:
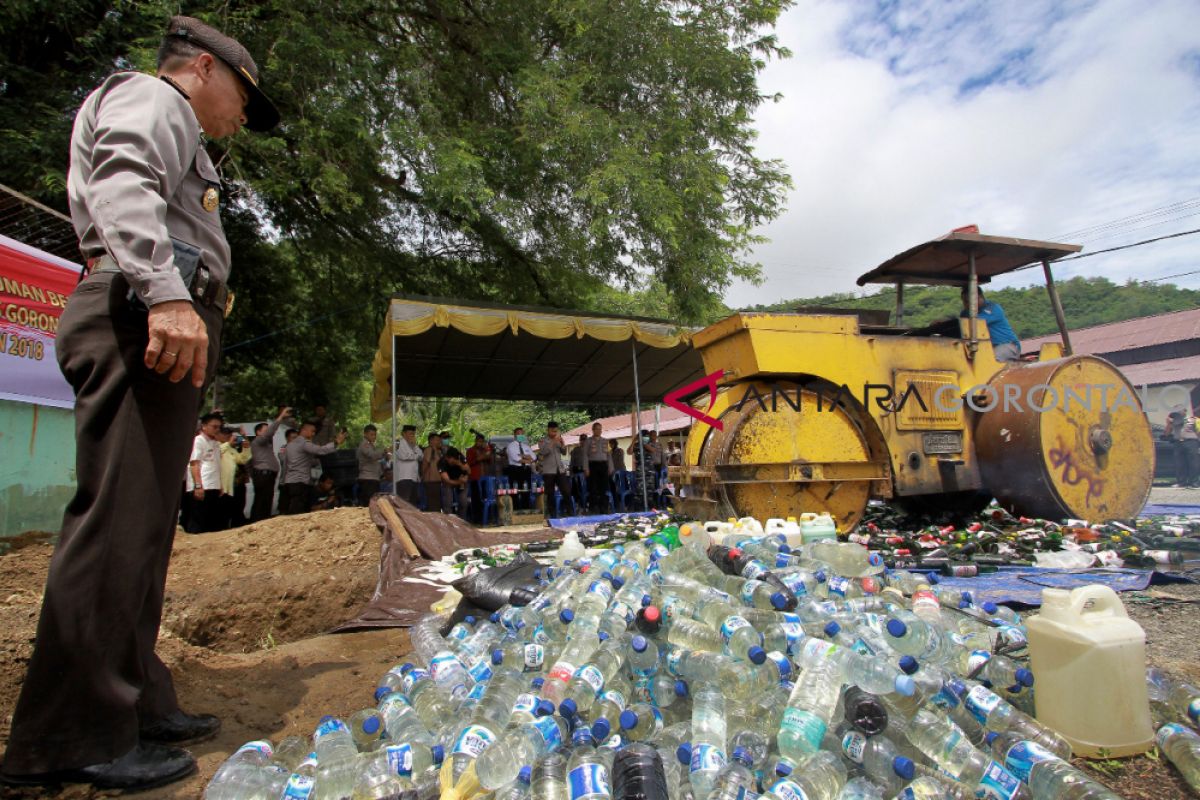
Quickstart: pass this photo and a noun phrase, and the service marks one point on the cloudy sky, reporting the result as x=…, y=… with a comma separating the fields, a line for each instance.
x=1073, y=121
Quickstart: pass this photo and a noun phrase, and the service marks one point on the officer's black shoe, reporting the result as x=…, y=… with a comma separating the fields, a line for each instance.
x=144, y=767
x=179, y=727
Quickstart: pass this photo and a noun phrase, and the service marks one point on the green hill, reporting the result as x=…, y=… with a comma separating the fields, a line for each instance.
x=1086, y=301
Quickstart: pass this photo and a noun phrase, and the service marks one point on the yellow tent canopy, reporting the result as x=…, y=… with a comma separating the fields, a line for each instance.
x=438, y=348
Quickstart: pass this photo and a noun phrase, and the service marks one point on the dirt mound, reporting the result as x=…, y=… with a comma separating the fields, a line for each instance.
x=277, y=581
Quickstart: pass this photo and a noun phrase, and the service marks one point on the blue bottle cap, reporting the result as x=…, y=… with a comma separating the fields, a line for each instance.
x=785, y=549
x=778, y=601
x=439, y=753
x=933, y=578
x=832, y=629
x=897, y=628
x=684, y=753
x=382, y=692
x=495, y=617
x=681, y=688
x=783, y=769
x=325, y=719
x=757, y=655
x=606, y=575
x=1025, y=677
x=604, y=637
x=646, y=600
x=470, y=620
x=497, y=656
x=820, y=576
x=964, y=603
x=568, y=708
x=905, y=685
x=990, y=608
x=537, y=573
x=601, y=728
x=525, y=774
x=991, y=737
x=537, y=682
x=371, y=725
x=904, y=767
x=544, y=708
x=566, y=616
x=629, y=719
x=970, y=598
x=639, y=644
x=617, y=582
x=740, y=754
x=908, y=665
x=406, y=667
x=582, y=737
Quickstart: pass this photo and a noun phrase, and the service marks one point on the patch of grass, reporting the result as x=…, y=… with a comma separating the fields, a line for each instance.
x=1109, y=766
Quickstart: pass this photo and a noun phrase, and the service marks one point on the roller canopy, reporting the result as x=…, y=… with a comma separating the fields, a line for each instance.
x=494, y=352
x=946, y=260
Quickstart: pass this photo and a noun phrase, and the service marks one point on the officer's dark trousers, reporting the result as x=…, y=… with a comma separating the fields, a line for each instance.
x=264, y=493
x=94, y=673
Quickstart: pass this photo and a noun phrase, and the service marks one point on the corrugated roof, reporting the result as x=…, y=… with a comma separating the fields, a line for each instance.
x=1156, y=373
x=669, y=419
x=1112, y=337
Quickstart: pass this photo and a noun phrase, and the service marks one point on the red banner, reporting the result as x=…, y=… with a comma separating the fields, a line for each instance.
x=34, y=287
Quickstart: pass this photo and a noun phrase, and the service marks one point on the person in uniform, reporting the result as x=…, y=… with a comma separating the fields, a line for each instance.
x=138, y=343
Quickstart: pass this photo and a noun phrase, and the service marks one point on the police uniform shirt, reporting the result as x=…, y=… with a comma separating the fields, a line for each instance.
x=302, y=456
x=262, y=448
x=369, y=457
x=138, y=177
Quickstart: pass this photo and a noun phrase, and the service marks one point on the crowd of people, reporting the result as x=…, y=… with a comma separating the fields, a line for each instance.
x=1183, y=431
x=437, y=477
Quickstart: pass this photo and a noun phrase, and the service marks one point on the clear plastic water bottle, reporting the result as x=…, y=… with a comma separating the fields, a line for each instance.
x=932, y=787
x=809, y=710
x=499, y=764
x=736, y=778
x=302, y=780
x=366, y=728
x=548, y=780
x=861, y=789
x=241, y=773
x=821, y=777
x=401, y=722
x=945, y=743
x=588, y=775
x=590, y=679
x=578, y=652
x=489, y=719
x=1183, y=699
x=642, y=657
x=694, y=635
x=337, y=760
x=880, y=759
x=641, y=722
x=1181, y=745
x=708, y=739
x=520, y=788
x=997, y=715
x=1047, y=775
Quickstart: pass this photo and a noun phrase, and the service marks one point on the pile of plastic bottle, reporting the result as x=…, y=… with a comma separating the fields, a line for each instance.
x=677, y=668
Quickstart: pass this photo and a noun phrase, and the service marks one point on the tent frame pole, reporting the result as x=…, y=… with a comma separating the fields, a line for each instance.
x=637, y=405
x=392, y=392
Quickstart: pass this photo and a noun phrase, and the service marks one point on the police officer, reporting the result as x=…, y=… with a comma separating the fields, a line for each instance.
x=138, y=342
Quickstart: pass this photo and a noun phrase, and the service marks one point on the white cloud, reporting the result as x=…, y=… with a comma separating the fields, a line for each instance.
x=902, y=120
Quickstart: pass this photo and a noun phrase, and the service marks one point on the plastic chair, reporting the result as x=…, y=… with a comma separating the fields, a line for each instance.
x=579, y=490
x=623, y=484
x=487, y=491
x=535, y=483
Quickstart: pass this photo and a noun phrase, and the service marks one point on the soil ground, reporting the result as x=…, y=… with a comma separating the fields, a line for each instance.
x=245, y=616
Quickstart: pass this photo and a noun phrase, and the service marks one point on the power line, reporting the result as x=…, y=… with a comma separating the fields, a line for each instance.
x=1140, y=216
x=1128, y=246
x=1168, y=277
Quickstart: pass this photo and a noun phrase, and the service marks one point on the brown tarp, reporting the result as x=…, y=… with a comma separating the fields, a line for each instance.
x=408, y=586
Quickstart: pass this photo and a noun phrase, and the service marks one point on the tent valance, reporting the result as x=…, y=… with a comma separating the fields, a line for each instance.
x=444, y=349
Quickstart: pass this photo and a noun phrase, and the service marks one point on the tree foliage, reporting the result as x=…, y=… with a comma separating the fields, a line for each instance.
x=536, y=152
x=1086, y=301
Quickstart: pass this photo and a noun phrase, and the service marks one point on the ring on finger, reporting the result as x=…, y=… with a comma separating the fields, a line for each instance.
x=172, y=355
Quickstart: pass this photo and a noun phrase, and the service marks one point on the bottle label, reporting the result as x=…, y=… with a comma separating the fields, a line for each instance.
x=1166, y=732
x=805, y=725
x=614, y=697
x=981, y=702
x=525, y=702
x=998, y=783
x=827, y=608
x=706, y=757
x=870, y=584
x=1011, y=635
x=534, y=657
x=400, y=759
x=547, y=728
x=587, y=780
x=259, y=746
x=875, y=622
x=976, y=659
x=602, y=588
x=838, y=585
x=788, y=790
x=329, y=726
x=299, y=787
x=793, y=629
x=1193, y=711
x=673, y=659
x=443, y=666
x=748, y=589
x=540, y=636
x=853, y=744
x=816, y=649
x=795, y=583
x=411, y=679
x=473, y=740
x=481, y=670
x=782, y=664
x=731, y=626
x=642, y=691
x=592, y=676
x=1022, y=756
x=477, y=691
x=925, y=600
x=459, y=632
x=754, y=569
x=783, y=560
x=562, y=671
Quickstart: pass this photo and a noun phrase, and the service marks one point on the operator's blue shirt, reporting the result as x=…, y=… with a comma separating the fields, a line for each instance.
x=998, y=328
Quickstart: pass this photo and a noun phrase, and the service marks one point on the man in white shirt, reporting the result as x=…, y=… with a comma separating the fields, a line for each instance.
x=520, y=467
x=406, y=465
x=204, y=474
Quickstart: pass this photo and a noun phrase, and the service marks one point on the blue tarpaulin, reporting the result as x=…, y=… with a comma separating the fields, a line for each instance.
x=1024, y=584
x=588, y=524
x=1170, y=510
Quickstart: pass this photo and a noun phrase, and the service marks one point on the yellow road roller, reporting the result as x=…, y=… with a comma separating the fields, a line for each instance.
x=825, y=409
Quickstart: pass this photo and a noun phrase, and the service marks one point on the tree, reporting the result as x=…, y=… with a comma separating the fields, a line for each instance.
x=517, y=151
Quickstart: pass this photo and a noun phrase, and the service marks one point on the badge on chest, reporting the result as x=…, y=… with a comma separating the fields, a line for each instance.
x=210, y=199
